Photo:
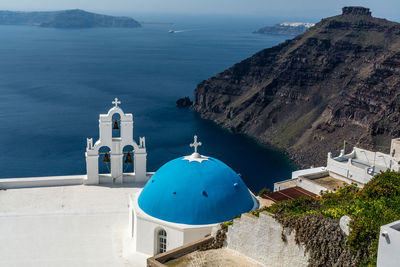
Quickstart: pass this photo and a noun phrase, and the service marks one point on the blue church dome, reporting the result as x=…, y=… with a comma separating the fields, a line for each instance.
x=195, y=192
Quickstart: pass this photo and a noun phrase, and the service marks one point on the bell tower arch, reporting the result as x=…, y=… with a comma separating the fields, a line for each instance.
x=116, y=144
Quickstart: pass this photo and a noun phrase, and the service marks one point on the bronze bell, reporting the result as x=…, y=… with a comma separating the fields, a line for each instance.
x=115, y=127
x=128, y=158
x=106, y=158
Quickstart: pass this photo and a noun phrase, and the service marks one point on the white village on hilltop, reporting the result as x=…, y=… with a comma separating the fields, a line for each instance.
x=143, y=218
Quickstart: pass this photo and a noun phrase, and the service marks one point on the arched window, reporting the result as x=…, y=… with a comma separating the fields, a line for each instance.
x=127, y=161
x=104, y=160
x=116, y=125
x=162, y=241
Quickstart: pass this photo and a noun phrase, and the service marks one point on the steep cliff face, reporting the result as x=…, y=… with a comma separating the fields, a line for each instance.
x=339, y=80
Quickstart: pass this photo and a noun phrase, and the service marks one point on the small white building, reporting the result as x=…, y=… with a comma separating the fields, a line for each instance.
x=389, y=245
x=358, y=166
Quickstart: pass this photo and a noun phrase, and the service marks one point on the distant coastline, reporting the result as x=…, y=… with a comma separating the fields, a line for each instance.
x=286, y=28
x=157, y=23
x=75, y=18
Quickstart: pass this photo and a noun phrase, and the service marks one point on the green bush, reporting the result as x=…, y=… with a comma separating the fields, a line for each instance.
x=225, y=225
x=263, y=191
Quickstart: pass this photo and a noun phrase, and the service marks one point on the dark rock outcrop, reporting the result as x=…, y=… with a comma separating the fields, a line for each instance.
x=339, y=80
x=184, y=102
x=356, y=10
x=66, y=19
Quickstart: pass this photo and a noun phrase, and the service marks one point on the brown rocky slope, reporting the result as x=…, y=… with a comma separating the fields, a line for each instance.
x=339, y=80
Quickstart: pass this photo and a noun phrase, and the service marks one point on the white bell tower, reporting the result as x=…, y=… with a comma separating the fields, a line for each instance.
x=116, y=154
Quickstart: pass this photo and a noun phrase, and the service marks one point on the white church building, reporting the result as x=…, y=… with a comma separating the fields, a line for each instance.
x=122, y=216
x=183, y=200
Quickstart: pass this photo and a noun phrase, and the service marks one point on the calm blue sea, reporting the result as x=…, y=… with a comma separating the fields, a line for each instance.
x=54, y=83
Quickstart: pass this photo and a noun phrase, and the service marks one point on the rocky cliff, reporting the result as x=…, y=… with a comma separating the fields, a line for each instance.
x=339, y=80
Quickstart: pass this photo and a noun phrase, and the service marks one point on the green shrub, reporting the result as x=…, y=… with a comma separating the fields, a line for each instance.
x=263, y=191
x=225, y=225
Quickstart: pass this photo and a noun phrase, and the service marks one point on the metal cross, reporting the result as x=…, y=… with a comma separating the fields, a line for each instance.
x=116, y=102
x=195, y=144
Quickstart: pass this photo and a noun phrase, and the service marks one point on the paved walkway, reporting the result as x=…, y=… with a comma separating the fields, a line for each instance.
x=214, y=258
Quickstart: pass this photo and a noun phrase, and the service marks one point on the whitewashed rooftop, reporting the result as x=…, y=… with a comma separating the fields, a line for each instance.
x=73, y=225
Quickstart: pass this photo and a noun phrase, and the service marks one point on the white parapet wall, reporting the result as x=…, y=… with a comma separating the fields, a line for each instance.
x=381, y=160
x=10, y=183
x=389, y=245
x=260, y=238
x=27, y=182
x=298, y=173
x=350, y=170
x=278, y=186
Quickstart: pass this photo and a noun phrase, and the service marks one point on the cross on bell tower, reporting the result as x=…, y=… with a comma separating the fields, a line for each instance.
x=116, y=102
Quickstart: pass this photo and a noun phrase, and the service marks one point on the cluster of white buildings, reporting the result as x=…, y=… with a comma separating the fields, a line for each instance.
x=297, y=24
x=357, y=166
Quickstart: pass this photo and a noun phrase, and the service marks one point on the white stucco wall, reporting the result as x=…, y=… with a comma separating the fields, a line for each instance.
x=194, y=234
x=146, y=236
x=389, y=245
x=395, y=153
x=260, y=239
x=144, y=229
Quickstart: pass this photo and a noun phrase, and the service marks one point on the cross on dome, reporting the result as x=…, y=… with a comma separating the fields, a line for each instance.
x=195, y=144
x=195, y=156
x=116, y=102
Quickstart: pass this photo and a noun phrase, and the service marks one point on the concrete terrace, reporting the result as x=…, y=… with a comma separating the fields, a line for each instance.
x=329, y=182
x=73, y=225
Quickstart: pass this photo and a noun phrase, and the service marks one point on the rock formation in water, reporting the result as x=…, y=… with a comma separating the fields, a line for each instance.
x=66, y=19
x=184, y=102
x=339, y=80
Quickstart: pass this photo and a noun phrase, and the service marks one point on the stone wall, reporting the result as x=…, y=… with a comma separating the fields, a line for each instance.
x=261, y=238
